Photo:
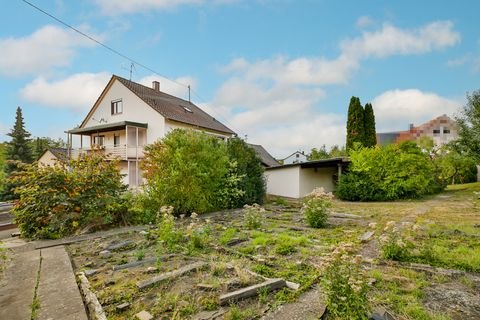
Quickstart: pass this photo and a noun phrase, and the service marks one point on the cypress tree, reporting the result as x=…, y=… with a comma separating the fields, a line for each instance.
x=355, y=123
x=370, y=132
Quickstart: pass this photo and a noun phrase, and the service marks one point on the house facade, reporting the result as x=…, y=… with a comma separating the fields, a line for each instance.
x=127, y=116
x=441, y=130
x=296, y=157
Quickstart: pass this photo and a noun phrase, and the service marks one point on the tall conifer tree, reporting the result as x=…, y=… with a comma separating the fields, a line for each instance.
x=355, y=123
x=17, y=150
x=370, y=132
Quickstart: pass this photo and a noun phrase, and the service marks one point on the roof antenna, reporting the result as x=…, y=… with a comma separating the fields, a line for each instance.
x=189, y=93
x=132, y=66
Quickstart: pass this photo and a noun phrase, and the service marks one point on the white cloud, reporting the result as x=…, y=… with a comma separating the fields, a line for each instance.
x=116, y=7
x=391, y=40
x=177, y=88
x=277, y=101
x=364, y=21
x=46, y=48
x=395, y=109
x=77, y=92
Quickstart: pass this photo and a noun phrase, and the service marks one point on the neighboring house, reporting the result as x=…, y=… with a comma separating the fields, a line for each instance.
x=441, y=130
x=299, y=179
x=296, y=157
x=50, y=156
x=265, y=157
x=127, y=116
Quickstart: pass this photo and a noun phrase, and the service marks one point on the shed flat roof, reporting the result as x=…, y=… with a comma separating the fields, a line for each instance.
x=324, y=163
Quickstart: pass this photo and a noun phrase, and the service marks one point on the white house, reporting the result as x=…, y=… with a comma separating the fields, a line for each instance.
x=50, y=156
x=127, y=116
x=296, y=157
x=296, y=180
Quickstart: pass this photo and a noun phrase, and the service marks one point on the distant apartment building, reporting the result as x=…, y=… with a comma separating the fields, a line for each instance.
x=441, y=130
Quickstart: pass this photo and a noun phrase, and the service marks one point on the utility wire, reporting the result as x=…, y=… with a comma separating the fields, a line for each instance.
x=100, y=43
x=118, y=53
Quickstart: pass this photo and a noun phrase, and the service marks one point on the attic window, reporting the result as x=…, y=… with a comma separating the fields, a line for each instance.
x=187, y=109
x=116, y=107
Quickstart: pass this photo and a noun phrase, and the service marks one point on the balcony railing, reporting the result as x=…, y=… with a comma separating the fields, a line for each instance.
x=121, y=152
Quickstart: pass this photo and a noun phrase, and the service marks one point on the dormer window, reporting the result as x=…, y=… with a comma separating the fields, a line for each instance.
x=117, y=106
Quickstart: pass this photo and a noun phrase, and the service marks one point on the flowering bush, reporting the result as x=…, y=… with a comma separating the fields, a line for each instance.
x=253, y=216
x=198, y=234
x=393, y=245
x=315, y=207
x=168, y=234
x=59, y=200
x=345, y=285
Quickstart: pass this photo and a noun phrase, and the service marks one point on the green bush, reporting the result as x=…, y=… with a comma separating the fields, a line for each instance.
x=250, y=168
x=59, y=200
x=315, y=208
x=186, y=170
x=389, y=173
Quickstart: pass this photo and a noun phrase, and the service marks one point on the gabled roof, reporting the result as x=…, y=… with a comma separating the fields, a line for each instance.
x=170, y=107
x=59, y=153
x=265, y=157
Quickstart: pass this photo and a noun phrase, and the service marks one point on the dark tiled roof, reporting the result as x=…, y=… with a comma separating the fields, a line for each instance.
x=59, y=153
x=173, y=108
x=264, y=156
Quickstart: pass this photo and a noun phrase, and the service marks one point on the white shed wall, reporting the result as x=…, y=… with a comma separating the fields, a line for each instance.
x=284, y=182
x=48, y=159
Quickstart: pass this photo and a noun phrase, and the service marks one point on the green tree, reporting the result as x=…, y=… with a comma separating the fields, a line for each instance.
x=355, y=124
x=40, y=144
x=318, y=154
x=17, y=151
x=338, y=152
x=18, y=148
x=249, y=168
x=185, y=170
x=370, y=133
x=469, y=126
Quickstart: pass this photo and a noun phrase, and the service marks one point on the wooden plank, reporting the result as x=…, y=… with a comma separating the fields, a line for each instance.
x=270, y=285
x=172, y=274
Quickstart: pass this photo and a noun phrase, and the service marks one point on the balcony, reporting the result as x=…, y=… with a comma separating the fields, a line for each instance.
x=111, y=152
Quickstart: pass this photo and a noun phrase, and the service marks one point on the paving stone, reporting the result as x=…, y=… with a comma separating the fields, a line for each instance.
x=271, y=284
x=121, y=245
x=57, y=289
x=105, y=254
x=122, y=306
x=143, y=315
x=367, y=236
x=90, y=272
x=17, y=287
x=172, y=274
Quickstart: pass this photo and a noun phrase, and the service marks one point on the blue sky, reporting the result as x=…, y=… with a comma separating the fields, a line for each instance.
x=279, y=71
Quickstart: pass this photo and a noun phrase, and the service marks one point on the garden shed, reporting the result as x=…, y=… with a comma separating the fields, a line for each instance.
x=299, y=179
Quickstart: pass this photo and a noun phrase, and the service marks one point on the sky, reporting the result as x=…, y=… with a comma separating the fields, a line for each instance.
x=278, y=72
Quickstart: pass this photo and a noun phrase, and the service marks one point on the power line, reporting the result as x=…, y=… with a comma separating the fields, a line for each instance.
x=118, y=53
